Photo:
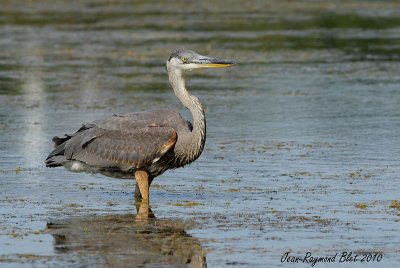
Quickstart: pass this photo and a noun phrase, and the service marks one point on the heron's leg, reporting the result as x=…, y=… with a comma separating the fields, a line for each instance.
x=143, y=212
x=142, y=182
x=137, y=189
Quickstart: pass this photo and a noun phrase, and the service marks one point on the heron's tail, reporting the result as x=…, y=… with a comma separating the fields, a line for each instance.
x=56, y=158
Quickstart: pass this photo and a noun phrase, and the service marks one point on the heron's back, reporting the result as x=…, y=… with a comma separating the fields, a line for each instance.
x=122, y=143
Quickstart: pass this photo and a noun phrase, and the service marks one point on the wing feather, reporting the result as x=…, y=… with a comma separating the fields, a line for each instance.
x=107, y=148
x=131, y=122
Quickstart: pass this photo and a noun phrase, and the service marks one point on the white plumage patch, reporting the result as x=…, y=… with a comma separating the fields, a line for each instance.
x=77, y=166
x=155, y=160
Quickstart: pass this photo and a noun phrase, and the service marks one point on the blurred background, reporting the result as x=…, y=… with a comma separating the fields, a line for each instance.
x=303, y=133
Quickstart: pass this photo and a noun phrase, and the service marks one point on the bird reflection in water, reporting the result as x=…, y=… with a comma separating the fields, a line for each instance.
x=126, y=241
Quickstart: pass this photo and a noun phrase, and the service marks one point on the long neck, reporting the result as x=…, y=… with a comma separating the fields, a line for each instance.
x=189, y=146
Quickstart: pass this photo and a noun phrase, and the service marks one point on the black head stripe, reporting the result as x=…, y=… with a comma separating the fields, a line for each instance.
x=175, y=54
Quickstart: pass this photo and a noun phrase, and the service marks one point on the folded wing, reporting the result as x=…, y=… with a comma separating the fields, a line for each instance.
x=105, y=148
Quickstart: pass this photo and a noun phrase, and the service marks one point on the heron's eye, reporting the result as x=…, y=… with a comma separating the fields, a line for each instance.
x=184, y=60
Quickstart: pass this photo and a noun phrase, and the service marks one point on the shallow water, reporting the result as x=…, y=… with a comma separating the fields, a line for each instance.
x=302, y=140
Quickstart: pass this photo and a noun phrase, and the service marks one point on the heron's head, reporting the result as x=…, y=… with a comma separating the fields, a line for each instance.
x=188, y=60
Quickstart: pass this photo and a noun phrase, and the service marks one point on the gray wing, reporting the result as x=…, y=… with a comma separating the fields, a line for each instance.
x=105, y=148
x=130, y=122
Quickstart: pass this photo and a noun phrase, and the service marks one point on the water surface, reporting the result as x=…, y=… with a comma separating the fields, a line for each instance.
x=302, y=147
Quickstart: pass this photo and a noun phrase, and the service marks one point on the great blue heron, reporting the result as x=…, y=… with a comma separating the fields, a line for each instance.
x=146, y=144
